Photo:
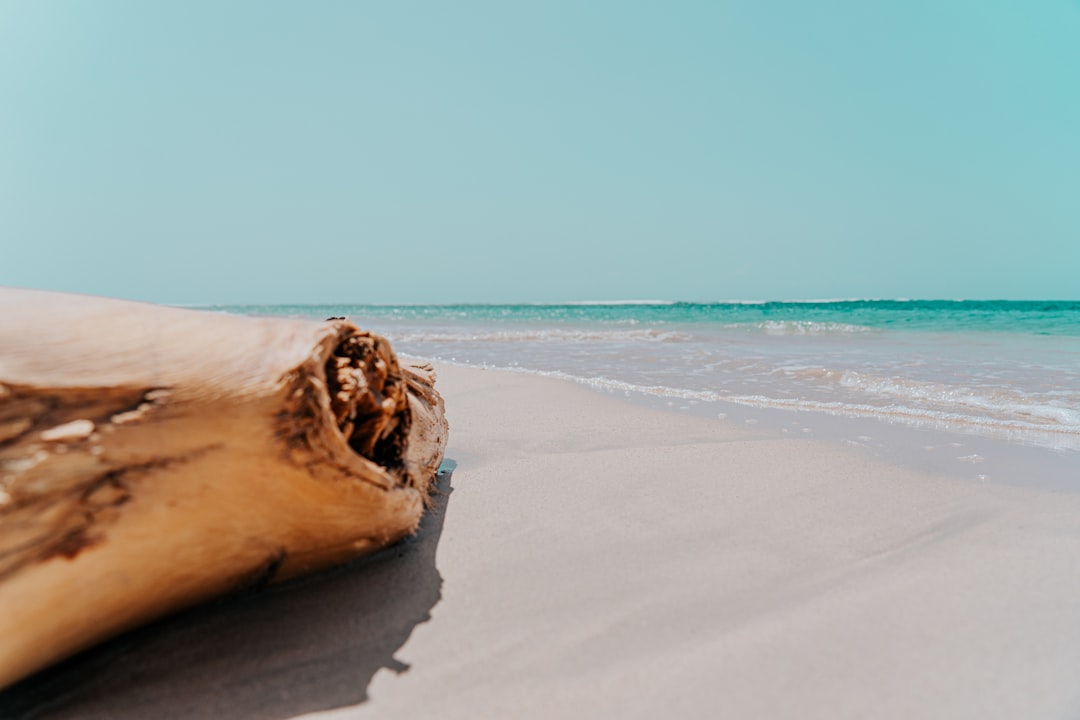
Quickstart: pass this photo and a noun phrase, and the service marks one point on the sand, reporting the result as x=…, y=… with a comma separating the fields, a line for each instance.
x=589, y=557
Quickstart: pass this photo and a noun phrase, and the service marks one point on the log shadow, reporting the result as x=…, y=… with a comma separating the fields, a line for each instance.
x=306, y=645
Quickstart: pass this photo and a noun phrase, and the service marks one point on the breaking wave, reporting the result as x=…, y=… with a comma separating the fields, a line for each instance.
x=546, y=335
x=801, y=327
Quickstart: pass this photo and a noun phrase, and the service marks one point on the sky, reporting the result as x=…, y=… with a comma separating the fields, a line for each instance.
x=470, y=151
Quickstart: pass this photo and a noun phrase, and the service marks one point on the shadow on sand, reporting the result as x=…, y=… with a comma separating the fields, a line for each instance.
x=306, y=645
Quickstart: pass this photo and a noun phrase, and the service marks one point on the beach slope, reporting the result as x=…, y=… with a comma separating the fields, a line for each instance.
x=603, y=559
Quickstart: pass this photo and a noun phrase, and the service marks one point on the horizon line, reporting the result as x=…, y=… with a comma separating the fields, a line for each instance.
x=601, y=303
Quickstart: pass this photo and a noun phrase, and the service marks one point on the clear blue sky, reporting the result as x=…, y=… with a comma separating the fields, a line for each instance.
x=201, y=152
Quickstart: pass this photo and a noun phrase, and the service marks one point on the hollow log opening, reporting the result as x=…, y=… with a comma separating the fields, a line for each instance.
x=369, y=401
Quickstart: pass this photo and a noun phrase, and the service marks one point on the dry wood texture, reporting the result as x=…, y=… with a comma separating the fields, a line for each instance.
x=152, y=457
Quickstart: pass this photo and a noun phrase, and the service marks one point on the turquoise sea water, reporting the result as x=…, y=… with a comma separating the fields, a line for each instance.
x=1008, y=369
x=1029, y=317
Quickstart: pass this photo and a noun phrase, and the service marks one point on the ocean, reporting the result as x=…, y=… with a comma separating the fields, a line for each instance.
x=1004, y=370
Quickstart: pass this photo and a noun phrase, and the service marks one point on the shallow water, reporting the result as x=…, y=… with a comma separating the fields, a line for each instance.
x=1001, y=369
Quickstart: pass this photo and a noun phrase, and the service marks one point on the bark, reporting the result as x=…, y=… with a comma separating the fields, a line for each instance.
x=153, y=457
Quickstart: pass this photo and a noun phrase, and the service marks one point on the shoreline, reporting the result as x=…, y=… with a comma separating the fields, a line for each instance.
x=957, y=451
x=964, y=454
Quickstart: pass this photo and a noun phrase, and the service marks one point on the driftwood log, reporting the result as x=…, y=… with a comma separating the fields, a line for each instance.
x=153, y=457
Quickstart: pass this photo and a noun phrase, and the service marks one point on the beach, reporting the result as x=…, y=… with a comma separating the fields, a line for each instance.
x=589, y=556
x=756, y=327
x=602, y=559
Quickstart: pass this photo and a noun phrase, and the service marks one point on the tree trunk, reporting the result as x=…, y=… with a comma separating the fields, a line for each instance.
x=153, y=457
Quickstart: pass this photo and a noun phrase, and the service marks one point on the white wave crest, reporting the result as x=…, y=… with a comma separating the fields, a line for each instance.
x=801, y=327
x=548, y=335
x=996, y=402
x=910, y=415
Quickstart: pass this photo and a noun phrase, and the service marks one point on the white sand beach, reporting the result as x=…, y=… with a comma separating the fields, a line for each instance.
x=594, y=558
x=605, y=560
